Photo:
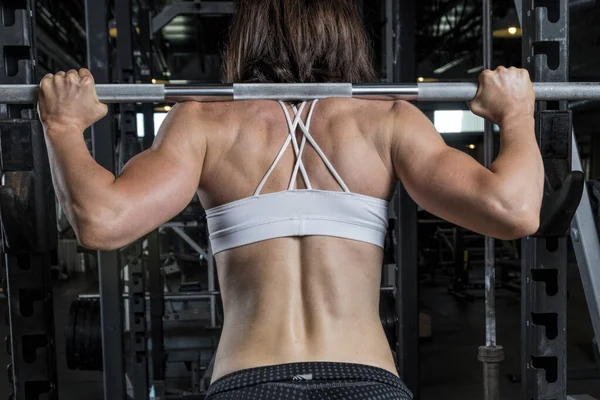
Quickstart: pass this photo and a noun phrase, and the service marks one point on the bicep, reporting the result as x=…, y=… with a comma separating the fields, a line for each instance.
x=159, y=183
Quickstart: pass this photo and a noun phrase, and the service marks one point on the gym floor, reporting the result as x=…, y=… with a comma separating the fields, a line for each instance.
x=449, y=366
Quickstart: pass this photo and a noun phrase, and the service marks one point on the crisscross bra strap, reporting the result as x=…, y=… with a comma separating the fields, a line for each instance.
x=299, y=149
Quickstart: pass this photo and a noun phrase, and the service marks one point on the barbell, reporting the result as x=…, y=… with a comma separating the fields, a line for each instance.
x=446, y=91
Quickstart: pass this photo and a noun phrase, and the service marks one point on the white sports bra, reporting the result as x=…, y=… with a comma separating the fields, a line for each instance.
x=305, y=212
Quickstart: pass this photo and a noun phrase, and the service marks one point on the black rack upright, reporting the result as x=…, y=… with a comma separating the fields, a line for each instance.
x=544, y=255
x=27, y=214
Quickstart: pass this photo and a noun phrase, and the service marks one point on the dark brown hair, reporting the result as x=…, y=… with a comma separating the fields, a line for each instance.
x=303, y=41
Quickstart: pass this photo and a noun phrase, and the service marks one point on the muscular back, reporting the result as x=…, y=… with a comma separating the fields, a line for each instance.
x=247, y=136
x=292, y=298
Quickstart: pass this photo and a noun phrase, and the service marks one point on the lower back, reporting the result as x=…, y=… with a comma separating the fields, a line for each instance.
x=301, y=299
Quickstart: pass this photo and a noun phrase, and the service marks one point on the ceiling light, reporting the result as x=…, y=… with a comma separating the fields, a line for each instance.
x=421, y=79
x=167, y=108
x=472, y=146
x=512, y=30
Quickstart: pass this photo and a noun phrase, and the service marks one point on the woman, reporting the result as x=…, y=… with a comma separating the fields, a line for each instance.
x=298, y=242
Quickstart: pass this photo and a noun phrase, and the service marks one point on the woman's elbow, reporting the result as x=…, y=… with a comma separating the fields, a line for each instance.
x=516, y=211
x=519, y=224
x=95, y=236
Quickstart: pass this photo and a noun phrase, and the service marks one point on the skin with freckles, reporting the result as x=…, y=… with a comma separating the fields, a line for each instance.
x=295, y=299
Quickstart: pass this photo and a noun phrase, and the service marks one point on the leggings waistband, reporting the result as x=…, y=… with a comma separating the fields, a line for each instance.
x=305, y=371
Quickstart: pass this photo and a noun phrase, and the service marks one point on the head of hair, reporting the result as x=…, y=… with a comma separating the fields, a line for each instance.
x=297, y=41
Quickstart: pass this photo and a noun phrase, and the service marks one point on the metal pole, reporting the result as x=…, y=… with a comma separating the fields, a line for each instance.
x=488, y=140
x=544, y=256
x=128, y=147
x=490, y=355
x=155, y=281
x=586, y=245
x=178, y=296
x=211, y=287
x=210, y=269
x=28, y=220
x=403, y=69
x=109, y=270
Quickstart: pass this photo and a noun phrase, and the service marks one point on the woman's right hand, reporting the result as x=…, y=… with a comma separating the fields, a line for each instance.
x=504, y=93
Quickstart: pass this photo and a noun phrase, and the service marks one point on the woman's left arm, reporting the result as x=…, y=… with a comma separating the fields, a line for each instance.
x=108, y=212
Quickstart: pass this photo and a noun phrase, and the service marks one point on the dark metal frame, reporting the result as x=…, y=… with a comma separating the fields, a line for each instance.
x=544, y=257
x=584, y=235
x=206, y=8
x=400, y=66
x=27, y=213
x=103, y=147
x=128, y=140
x=137, y=329
x=138, y=332
x=155, y=281
x=491, y=355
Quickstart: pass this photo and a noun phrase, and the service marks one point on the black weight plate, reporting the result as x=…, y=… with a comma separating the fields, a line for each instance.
x=70, y=331
x=86, y=338
x=96, y=339
x=80, y=333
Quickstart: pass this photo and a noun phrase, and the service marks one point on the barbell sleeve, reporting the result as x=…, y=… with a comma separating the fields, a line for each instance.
x=439, y=91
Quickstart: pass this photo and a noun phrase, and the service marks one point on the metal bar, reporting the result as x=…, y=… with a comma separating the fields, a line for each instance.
x=574, y=6
x=190, y=224
x=47, y=43
x=123, y=17
x=157, y=308
x=388, y=35
x=111, y=305
x=28, y=219
x=156, y=299
x=197, y=7
x=146, y=73
x=186, y=296
x=455, y=91
x=584, y=235
x=488, y=140
x=179, y=296
x=401, y=51
x=490, y=355
x=210, y=269
x=211, y=287
x=138, y=344
x=190, y=241
x=128, y=146
x=407, y=287
x=98, y=53
x=519, y=8
x=581, y=5
x=544, y=256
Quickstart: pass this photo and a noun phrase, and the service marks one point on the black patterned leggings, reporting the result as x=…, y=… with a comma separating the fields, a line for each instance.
x=310, y=381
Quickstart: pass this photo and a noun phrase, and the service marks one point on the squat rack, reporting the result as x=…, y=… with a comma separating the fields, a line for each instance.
x=31, y=256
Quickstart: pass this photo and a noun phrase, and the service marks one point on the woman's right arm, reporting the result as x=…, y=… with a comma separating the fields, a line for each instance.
x=503, y=201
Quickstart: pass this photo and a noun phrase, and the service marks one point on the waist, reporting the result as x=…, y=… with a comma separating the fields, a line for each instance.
x=255, y=342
